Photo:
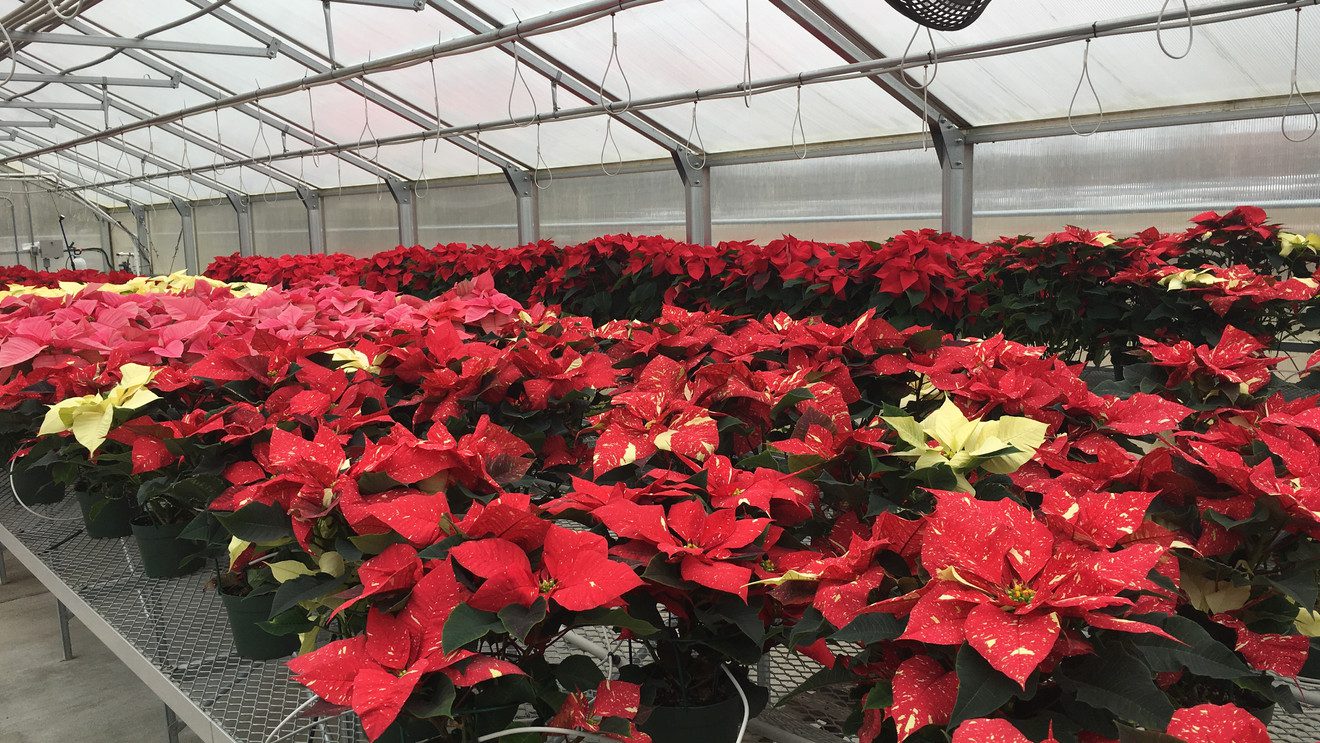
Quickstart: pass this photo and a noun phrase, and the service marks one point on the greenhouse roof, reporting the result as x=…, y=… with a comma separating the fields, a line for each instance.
x=148, y=101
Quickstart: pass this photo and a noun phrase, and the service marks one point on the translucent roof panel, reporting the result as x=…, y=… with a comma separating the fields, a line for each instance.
x=679, y=46
x=1227, y=61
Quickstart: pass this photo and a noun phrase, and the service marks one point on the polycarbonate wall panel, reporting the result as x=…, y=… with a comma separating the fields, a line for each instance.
x=578, y=209
x=281, y=227
x=44, y=209
x=476, y=215
x=361, y=224
x=166, y=240
x=217, y=231
x=829, y=198
x=1035, y=186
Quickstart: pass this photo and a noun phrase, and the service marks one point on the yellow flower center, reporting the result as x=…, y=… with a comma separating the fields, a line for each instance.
x=548, y=585
x=1020, y=594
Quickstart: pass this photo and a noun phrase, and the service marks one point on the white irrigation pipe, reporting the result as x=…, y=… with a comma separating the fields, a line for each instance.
x=14, y=489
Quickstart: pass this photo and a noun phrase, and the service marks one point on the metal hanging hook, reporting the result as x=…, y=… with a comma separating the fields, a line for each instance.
x=797, y=127
x=609, y=140
x=540, y=162
x=1086, y=78
x=1159, y=30
x=933, y=56
x=747, y=53
x=614, y=61
x=1294, y=90
x=366, y=122
x=435, y=92
x=693, y=129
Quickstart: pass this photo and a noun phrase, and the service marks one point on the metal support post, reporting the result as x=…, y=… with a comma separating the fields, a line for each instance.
x=172, y=725
x=65, y=639
x=955, y=154
x=405, y=197
x=523, y=183
x=190, y=257
x=4, y=574
x=696, y=201
x=315, y=219
x=143, y=238
x=243, y=208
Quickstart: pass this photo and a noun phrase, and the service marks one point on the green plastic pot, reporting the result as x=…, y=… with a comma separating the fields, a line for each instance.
x=164, y=554
x=250, y=640
x=411, y=730
x=711, y=723
x=106, y=518
x=35, y=486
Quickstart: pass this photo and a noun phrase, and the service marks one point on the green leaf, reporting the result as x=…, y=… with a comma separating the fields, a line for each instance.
x=880, y=696
x=467, y=625
x=981, y=689
x=790, y=398
x=435, y=700
x=614, y=618
x=839, y=674
x=257, y=523
x=1198, y=652
x=1132, y=735
x=305, y=588
x=578, y=673
x=1118, y=682
x=519, y=620
x=869, y=628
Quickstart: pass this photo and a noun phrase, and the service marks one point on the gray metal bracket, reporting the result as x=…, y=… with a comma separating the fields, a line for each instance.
x=243, y=209
x=405, y=198
x=189, y=228
x=696, y=197
x=523, y=183
x=315, y=219
x=955, y=152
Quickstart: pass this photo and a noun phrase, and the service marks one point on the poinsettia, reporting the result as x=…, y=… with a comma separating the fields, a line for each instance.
x=1003, y=582
x=656, y=413
x=613, y=699
x=948, y=437
x=577, y=573
x=712, y=549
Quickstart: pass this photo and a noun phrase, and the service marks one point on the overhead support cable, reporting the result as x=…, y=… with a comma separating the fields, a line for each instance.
x=555, y=21
x=1137, y=24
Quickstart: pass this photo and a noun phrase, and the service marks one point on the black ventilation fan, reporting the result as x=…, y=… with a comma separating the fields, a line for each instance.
x=941, y=15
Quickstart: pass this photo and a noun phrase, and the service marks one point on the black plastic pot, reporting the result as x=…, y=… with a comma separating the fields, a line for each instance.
x=712, y=723
x=34, y=485
x=411, y=730
x=250, y=640
x=164, y=554
x=106, y=518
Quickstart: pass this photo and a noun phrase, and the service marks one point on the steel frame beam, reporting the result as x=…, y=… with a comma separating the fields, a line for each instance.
x=399, y=4
x=175, y=129
x=956, y=192
x=89, y=163
x=852, y=46
x=320, y=64
x=315, y=219
x=243, y=209
x=118, y=82
x=20, y=105
x=464, y=14
x=527, y=194
x=47, y=124
x=143, y=237
x=696, y=197
x=155, y=45
x=187, y=78
x=405, y=198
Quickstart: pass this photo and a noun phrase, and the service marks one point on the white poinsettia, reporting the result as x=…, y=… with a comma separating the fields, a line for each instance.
x=948, y=437
x=352, y=359
x=1190, y=277
x=89, y=417
x=1290, y=243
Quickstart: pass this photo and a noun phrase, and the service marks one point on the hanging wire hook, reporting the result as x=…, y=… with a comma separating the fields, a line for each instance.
x=1294, y=90
x=609, y=140
x=933, y=56
x=1086, y=78
x=615, y=62
x=926, y=143
x=11, y=53
x=478, y=152
x=688, y=150
x=1159, y=30
x=435, y=92
x=518, y=76
x=540, y=161
x=311, y=113
x=366, y=119
x=797, y=127
x=747, y=53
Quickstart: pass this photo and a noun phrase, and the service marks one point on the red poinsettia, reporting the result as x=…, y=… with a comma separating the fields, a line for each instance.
x=577, y=573
x=1002, y=581
x=657, y=413
x=711, y=549
x=617, y=699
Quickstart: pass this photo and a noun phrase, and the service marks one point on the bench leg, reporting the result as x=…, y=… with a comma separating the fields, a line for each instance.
x=4, y=576
x=172, y=726
x=65, y=639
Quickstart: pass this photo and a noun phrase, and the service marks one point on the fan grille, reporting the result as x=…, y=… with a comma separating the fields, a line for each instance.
x=941, y=15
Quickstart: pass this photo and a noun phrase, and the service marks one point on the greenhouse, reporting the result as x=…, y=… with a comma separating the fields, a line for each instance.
x=660, y=371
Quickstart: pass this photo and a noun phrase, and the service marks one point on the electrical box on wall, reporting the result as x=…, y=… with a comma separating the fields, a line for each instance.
x=52, y=250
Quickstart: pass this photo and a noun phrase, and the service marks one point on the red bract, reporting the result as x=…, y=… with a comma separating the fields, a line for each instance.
x=376, y=672
x=992, y=731
x=1217, y=723
x=1002, y=581
x=618, y=699
x=577, y=573
x=656, y=413
x=711, y=549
